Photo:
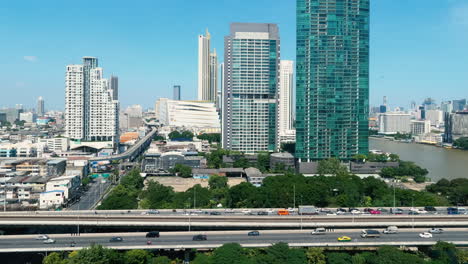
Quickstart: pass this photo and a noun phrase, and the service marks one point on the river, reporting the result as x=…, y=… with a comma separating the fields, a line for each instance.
x=440, y=162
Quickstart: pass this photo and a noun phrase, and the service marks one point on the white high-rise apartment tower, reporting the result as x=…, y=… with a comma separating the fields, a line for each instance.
x=40, y=107
x=285, y=107
x=91, y=113
x=207, y=75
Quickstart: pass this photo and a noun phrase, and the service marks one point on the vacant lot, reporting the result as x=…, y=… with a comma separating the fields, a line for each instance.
x=182, y=184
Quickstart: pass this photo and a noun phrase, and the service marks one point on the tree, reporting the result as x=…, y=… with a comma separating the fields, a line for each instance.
x=184, y=135
x=156, y=196
x=217, y=182
x=392, y=255
x=241, y=162
x=331, y=166
x=339, y=258
x=315, y=256
x=158, y=137
x=212, y=137
x=263, y=161
x=161, y=260
x=182, y=170
x=444, y=252
x=281, y=253
x=137, y=256
x=288, y=147
x=53, y=258
x=461, y=143
x=96, y=254
x=359, y=158
x=394, y=157
x=133, y=180
x=120, y=198
x=231, y=253
x=201, y=258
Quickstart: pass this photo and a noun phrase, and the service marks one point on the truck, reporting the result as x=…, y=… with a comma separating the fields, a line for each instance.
x=369, y=233
x=391, y=230
x=308, y=210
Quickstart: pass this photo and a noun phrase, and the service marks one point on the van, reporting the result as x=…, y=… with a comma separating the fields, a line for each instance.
x=318, y=231
x=152, y=234
x=370, y=233
x=391, y=230
x=283, y=212
x=461, y=210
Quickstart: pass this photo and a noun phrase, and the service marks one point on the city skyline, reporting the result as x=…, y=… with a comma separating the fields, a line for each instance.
x=389, y=72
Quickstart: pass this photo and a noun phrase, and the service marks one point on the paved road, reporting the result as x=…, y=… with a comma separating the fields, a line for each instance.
x=175, y=239
x=92, y=196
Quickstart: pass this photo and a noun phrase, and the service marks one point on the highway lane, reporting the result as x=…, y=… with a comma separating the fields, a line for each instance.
x=92, y=196
x=266, y=237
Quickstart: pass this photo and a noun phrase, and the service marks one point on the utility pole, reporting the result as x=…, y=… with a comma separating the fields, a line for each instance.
x=294, y=200
x=4, y=193
x=394, y=201
x=194, y=197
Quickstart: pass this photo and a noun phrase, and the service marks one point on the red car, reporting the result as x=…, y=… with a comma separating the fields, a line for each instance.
x=375, y=212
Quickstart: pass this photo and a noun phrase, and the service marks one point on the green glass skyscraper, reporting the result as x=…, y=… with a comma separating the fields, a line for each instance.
x=332, y=93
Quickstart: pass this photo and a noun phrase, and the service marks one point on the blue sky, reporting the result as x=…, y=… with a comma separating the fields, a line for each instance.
x=418, y=47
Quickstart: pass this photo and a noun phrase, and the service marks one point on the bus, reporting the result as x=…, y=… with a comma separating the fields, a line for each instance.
x=456, y=210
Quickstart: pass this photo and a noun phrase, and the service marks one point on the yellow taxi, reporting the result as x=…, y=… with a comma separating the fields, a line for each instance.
x=344, y=239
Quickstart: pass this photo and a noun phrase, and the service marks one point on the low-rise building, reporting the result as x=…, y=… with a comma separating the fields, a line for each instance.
x=393, y=123
x=52, y=199
x=283, y=160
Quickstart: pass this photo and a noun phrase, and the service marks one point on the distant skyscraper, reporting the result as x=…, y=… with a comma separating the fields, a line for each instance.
x=459, y=105
x=446, y=107
x=114, y=86
x=91, y=114
x=285, y=107
x=19, y=106
x=251, y=87
x=176, y=94
x=213, y=76
x=332, y=95
x=40, y=107
x=205, y=59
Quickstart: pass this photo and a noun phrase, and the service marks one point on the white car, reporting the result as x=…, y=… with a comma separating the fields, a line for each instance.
x=49, y=241
x=42, y=237
x=425, y=235
x=332, y=214
x=355, y=212
x=246, y=211
x=340, y=213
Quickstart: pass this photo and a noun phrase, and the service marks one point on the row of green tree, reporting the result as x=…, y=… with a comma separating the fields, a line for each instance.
x=282, y=191
x=455, y=190
x=405, y=169
x=280, y=253
x=461, y=143
x=124, y=195
x=215, y=160
x=211, y=137
x=181, y=135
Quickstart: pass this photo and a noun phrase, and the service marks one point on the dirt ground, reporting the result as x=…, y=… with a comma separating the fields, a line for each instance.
x=182, y=184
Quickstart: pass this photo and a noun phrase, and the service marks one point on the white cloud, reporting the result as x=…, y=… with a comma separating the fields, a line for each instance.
x=30, y=58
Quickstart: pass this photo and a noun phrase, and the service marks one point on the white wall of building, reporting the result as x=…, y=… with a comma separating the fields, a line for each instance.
x=392, y=123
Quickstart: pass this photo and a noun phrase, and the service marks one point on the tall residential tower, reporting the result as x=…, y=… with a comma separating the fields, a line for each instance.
x=91, y=113
x=207, y=74
x=40, y=107
x=285, y=107
x=251, y=66
x=332, y=87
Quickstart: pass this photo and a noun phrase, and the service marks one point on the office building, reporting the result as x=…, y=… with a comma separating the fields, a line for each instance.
x=176, y=92
x=459, y=125
x=285, y=104
x=134, y=116
x=435, y=116
x=213, y=77
x=459, y=105
x=206, y=87
x=40, y=107
x=429, y=104
x=332, y=89
x=392, y=123
x=114, y=86
x=420, y=127
x=446, y=107
x=190, y=114
x=91, y=113
x=383, y=109
x=251, y=67
x=12, y=114
x=28, y=117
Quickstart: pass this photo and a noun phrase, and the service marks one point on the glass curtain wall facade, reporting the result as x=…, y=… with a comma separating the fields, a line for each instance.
x=332, y=91
x=251, y=66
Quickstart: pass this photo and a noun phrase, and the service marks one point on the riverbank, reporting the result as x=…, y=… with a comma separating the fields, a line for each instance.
x=441, y=162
